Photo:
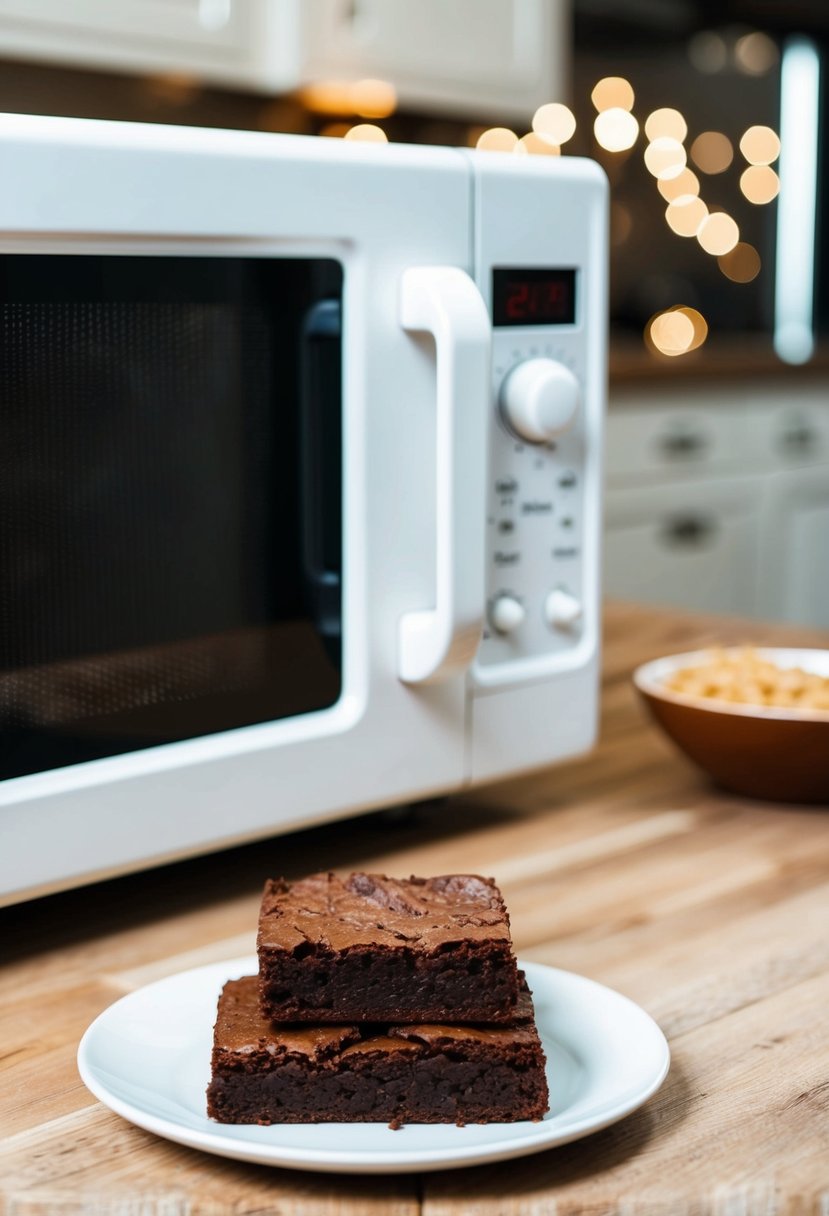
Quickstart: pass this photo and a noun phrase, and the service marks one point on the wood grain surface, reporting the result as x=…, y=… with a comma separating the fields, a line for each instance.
x=626, y=865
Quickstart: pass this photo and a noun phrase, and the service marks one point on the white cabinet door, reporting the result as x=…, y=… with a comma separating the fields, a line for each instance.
x=795, y=566
x=480, y=58
x=252, y=43
x=694, y=545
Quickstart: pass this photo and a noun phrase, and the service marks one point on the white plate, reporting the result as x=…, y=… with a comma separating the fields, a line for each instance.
x=147, y=1057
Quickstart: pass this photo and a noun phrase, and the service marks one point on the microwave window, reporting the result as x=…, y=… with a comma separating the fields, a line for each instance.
x=170, y=500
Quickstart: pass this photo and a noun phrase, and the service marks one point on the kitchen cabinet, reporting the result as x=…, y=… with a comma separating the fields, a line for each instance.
x=795, y=560
x=248, y=43
x=718, y=499
x=695, y=546
x=473, y=58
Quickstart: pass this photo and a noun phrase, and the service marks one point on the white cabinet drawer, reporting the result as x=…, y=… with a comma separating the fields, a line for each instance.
x=695, y=545
x=791, y=431
x=682, y=439
x=795, y=556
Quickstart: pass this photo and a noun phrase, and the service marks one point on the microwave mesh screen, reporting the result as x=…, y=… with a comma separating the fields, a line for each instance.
x=154, y=579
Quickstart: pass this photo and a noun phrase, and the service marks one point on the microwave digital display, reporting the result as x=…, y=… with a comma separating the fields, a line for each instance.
x=533, y=297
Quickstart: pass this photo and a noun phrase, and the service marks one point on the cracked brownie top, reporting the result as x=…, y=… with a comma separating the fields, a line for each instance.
x=325, y=911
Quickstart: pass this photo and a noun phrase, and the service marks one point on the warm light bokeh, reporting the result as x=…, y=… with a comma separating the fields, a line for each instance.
x=712, y=152
x=699, y=323
x=327, y=96
x=760, y=184
x=755, y=53
x=536, y=146
x=718, y=233
x=760, y=145
x=671, y=333
x=555, y=122
x=335, y=130
x=666, y=122
x=616, y=130
x=372, y=98
x=685, y=182
x=685, y=215
x=665, y=157
x=741, y=264
x=497, y=139
x=366, y=132
x=613, y=92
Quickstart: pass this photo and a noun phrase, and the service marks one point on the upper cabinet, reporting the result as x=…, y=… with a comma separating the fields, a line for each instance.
x=255, y=44
x=474, y=58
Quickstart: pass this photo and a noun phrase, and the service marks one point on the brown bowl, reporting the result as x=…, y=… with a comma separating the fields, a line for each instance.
x=760, y=751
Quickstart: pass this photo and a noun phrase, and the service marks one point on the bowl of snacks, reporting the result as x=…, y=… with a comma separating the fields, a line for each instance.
x=756, y=720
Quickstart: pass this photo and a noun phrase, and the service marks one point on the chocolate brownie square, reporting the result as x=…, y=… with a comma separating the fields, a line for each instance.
x=413, y=1073
x=374, y=949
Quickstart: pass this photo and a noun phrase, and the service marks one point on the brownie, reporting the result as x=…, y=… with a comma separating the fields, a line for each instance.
x=420, y=1073
x=374, y=949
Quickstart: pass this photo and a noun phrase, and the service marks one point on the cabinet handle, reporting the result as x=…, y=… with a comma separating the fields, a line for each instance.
x=798, y=438
x=681, y=444
x=688, y=531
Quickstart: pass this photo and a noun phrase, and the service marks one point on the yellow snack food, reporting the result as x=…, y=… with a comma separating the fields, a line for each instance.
x=744, y=677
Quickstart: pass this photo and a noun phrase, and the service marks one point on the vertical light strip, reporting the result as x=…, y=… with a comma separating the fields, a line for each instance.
x=794, y=282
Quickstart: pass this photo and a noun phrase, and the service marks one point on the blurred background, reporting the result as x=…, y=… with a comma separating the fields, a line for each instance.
x=709, y=120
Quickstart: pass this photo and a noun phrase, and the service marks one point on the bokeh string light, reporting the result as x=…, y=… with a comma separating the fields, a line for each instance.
x=616, y=130
x=367, y=133
x=665, y=157
x=760, y=184
x=497, y=139
x=718, y=233
x=712, y=152
x=672, y=188
x=613, y=92
x=534, y=145
x=554, y=122
x=686, y=215
x=666, y=122
x=676, y=331
x=760, y=145
x=741, y=264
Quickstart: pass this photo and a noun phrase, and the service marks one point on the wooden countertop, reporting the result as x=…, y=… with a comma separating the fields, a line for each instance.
x=711, y=911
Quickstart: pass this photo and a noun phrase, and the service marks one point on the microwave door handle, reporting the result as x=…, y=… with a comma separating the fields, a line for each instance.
x=440, y=642
x=321, y=480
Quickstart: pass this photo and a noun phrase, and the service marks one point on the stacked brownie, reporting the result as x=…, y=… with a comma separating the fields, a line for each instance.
x=379, y=1000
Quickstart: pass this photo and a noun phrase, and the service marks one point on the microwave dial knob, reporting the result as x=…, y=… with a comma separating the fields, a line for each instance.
x=539, y=399
x=562, y=610
x=507, y=614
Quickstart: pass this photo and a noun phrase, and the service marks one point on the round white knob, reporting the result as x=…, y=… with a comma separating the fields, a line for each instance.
x=506, y=614
x=562, y=610
x=539, y=399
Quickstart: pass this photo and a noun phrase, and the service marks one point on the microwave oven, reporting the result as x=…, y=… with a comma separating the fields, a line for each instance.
x=300, y=506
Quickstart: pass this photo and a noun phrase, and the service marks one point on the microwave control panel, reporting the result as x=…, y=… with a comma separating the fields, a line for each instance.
x=535, y=497
x=543, y=496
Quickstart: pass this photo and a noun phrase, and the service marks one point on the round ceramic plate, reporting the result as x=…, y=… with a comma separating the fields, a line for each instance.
x=147, y=1057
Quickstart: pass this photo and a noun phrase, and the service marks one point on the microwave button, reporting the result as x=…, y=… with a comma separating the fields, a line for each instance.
x=539, y=399
x=507, y=614
x=562, y=610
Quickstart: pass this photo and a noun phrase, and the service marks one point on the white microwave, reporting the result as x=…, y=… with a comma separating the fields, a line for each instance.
x=300, y=505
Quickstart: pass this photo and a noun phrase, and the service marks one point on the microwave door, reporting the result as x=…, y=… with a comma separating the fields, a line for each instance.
x=152, y=437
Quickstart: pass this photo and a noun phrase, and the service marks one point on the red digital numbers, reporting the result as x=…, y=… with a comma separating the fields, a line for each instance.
x=540, y=301
x=518, y=301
